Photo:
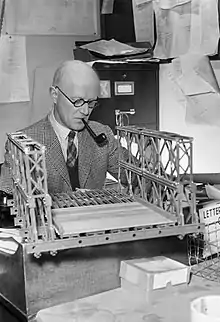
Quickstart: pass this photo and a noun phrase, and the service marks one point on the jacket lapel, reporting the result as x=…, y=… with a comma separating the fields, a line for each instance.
x=54, y=153
x=85, y=150
x=86, y=146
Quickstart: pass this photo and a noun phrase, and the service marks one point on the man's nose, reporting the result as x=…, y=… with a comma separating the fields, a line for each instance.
x=85, y=109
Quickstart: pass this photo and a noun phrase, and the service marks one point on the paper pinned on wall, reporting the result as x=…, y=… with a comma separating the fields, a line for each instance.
x=204, y=35
x=173, y=30
x=107, y=7
x=197, y=75
x=13, y=70
x=53, y=17
x=186, y=27
x=143, y=20
x=168, y=4
x=203, y=109
x=196, y=79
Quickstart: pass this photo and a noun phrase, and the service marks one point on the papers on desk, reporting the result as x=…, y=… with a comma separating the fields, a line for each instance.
x=111, y=48
x=106, y=61
x=212, y=192
x=9, y=240
x=124, y=61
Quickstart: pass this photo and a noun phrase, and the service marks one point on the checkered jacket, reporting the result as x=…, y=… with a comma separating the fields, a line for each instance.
x=93, y=161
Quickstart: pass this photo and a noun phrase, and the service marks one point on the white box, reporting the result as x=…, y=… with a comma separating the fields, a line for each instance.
x=154, y=273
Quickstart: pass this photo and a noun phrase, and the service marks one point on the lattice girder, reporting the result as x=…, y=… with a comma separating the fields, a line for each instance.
x=32, y=203
x=155, y=169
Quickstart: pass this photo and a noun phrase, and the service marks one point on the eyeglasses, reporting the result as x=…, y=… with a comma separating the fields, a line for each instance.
x=79, y=102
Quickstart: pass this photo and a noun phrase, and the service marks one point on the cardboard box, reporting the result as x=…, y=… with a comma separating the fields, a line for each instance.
x=154, y=273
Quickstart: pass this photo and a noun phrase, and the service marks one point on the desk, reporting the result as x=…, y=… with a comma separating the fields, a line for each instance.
x=33, y=284
x=173, y=305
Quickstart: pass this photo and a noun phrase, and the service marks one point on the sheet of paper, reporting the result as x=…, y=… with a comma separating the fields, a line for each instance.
x=48, y=17
x=168, y=4
x=107, y=6
x=143, y=20
x=113, y=48
x=204, y=35
x=203, y=109
x=9, y=240
x=186, y=27
x=106, y=61
x=196, y=79
x=173, y=30
x=212, y=192
x=13, y=70
x=196, y=75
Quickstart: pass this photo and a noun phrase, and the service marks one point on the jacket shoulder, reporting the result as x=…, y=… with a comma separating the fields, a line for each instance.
x=38, y=124
x=99, y=126
x=37, y=130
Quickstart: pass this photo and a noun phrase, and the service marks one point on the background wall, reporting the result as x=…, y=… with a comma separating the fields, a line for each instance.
x=44, y=53
x=206, y=152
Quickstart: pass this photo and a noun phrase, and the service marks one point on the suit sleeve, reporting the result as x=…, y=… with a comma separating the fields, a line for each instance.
x=6, y=173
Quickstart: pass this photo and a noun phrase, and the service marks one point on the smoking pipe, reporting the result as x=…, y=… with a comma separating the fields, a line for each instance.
x=100, y=139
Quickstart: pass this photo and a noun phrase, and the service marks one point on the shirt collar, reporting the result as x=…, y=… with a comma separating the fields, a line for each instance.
x=61, y=130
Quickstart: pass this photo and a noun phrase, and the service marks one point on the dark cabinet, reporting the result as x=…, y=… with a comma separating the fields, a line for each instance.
x=131, y=86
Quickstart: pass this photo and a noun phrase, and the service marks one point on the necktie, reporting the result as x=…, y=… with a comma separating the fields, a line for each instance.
x=71, y=150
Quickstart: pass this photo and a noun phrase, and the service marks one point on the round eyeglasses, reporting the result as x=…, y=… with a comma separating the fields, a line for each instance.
x=79, y=102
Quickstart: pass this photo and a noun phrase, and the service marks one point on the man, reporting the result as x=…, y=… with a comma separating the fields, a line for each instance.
x=73, y=158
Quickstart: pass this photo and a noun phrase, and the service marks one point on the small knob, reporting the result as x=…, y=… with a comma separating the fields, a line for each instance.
x=37, y=255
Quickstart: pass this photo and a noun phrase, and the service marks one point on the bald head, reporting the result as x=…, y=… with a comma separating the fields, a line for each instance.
x=74, y=71
x=74, y=80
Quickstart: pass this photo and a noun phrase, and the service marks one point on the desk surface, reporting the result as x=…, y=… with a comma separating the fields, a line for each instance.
x=171, y=306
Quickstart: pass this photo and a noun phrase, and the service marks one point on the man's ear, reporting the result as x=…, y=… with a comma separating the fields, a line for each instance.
x=53, y=94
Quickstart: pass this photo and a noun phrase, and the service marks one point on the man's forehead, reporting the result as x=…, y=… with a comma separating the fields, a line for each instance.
x=74, y=78
x=81, y=88
x=72, y=71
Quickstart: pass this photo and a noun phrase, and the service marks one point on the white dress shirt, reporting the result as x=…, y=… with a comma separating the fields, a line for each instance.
x=62, y=133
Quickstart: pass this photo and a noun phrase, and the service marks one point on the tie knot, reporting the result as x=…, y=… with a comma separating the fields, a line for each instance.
x=71, y=135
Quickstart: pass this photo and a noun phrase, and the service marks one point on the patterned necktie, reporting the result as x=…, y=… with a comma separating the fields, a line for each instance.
x=71, y=150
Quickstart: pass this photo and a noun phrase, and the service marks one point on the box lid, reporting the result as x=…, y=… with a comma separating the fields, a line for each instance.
x=154, y=273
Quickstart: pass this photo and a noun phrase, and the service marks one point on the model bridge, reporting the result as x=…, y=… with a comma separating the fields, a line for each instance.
x=158, y=200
